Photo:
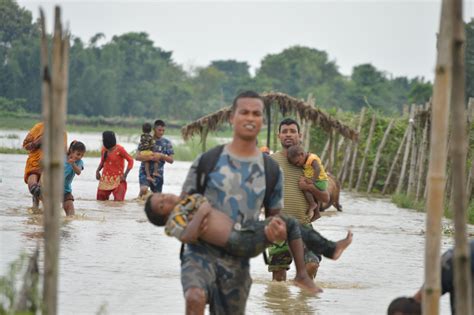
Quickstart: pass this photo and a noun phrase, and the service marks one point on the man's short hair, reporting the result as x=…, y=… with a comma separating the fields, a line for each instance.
x=159, y=123
x=246, y=94
x=153, y=217
x=404, y=306
x=287, y=122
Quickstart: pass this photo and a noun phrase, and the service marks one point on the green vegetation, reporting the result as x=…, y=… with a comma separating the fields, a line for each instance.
x=403, y=201
x=10, y=291
x=131, y=76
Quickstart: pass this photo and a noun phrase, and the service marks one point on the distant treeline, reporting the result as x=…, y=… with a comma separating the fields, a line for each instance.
x=131, y=76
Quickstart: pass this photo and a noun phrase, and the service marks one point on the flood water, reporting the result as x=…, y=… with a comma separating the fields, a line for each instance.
x=13, y=139
x=112, y=258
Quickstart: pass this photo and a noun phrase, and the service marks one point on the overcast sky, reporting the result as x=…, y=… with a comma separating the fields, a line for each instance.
x=397, y=37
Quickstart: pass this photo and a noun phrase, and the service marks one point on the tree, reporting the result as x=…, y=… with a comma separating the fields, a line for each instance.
x=299, y=71
x=237, y=77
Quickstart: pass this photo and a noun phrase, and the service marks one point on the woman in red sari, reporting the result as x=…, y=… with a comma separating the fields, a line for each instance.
x=112, y=163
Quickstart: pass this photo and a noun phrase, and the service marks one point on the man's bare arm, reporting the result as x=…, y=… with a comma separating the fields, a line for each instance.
x=306, y=184
x=192, y=231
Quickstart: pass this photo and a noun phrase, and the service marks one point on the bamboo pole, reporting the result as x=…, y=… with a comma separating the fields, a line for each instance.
x=332, y=151
x=366, y=152
x=276, y=130
x=422, y=158
x=346, y=164
x=395, y=160
x=411, y=121
x=307, y=134
x=205, y=132
x=379, y=153
x=437, y=164
x=325, y=150
x=344, y=160
x=268, y=113
x=355, y=147
x=54, y=88
x=413, y=159
x=462, y=257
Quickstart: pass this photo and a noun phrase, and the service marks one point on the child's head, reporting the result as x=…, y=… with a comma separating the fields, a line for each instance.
x=159, y=206
x=146, y=128
x=108, y=139
x=296, y=155
x=76, y=150
x=404, y=306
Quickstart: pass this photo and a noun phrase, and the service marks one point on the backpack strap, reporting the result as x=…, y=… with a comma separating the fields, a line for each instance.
x=206, y=164
x=272, y=172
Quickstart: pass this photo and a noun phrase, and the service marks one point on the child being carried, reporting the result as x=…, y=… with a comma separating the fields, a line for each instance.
x=314, y=173
x=146, y=148
x=182, y=219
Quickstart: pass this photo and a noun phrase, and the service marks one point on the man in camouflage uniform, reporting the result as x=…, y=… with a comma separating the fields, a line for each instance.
x=236, y=186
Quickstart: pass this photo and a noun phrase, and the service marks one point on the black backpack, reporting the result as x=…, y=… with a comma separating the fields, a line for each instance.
x=208, y=162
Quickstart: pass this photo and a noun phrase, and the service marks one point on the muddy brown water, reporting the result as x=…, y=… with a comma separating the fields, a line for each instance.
x=112, y=258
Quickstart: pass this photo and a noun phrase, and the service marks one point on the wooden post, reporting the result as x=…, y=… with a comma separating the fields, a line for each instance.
x=413, y=158
x=54, y=89
x=366, y=152
x=411, y=121
x=420, y=181
x=331, y=153
x=204, y=134
x=276, y=124
x=268, y=112
x=377, y=156
x=394, y=163
x=462, y=256
x=437, y=163
x=347, y=160
x=355, y=147
x=325, y=150
x=308, y=123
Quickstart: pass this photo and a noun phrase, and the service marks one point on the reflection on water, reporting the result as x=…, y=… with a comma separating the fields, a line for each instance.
x=111, y=256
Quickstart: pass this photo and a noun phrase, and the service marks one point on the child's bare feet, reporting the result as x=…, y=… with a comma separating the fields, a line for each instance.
x=307, y=284
x=342, y=245
x=312, y=208
x=149, y=178
x=316, y=215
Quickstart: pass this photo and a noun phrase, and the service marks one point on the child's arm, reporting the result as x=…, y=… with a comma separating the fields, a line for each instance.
x=316, y=170
x=101, y=165
x=192, y=231
x=77, y=168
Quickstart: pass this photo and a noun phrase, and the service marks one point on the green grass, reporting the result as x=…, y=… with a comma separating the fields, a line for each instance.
x=182, y=152
x=79, y=123
x=12, y=151
x=403, y=201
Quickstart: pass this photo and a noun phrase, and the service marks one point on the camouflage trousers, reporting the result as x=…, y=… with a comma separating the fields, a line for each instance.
x=279, y=256
x=224, y=278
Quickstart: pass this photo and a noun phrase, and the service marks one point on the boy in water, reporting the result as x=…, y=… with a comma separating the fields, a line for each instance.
x=183, y=219
x=146, y=147
x=314, y=172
